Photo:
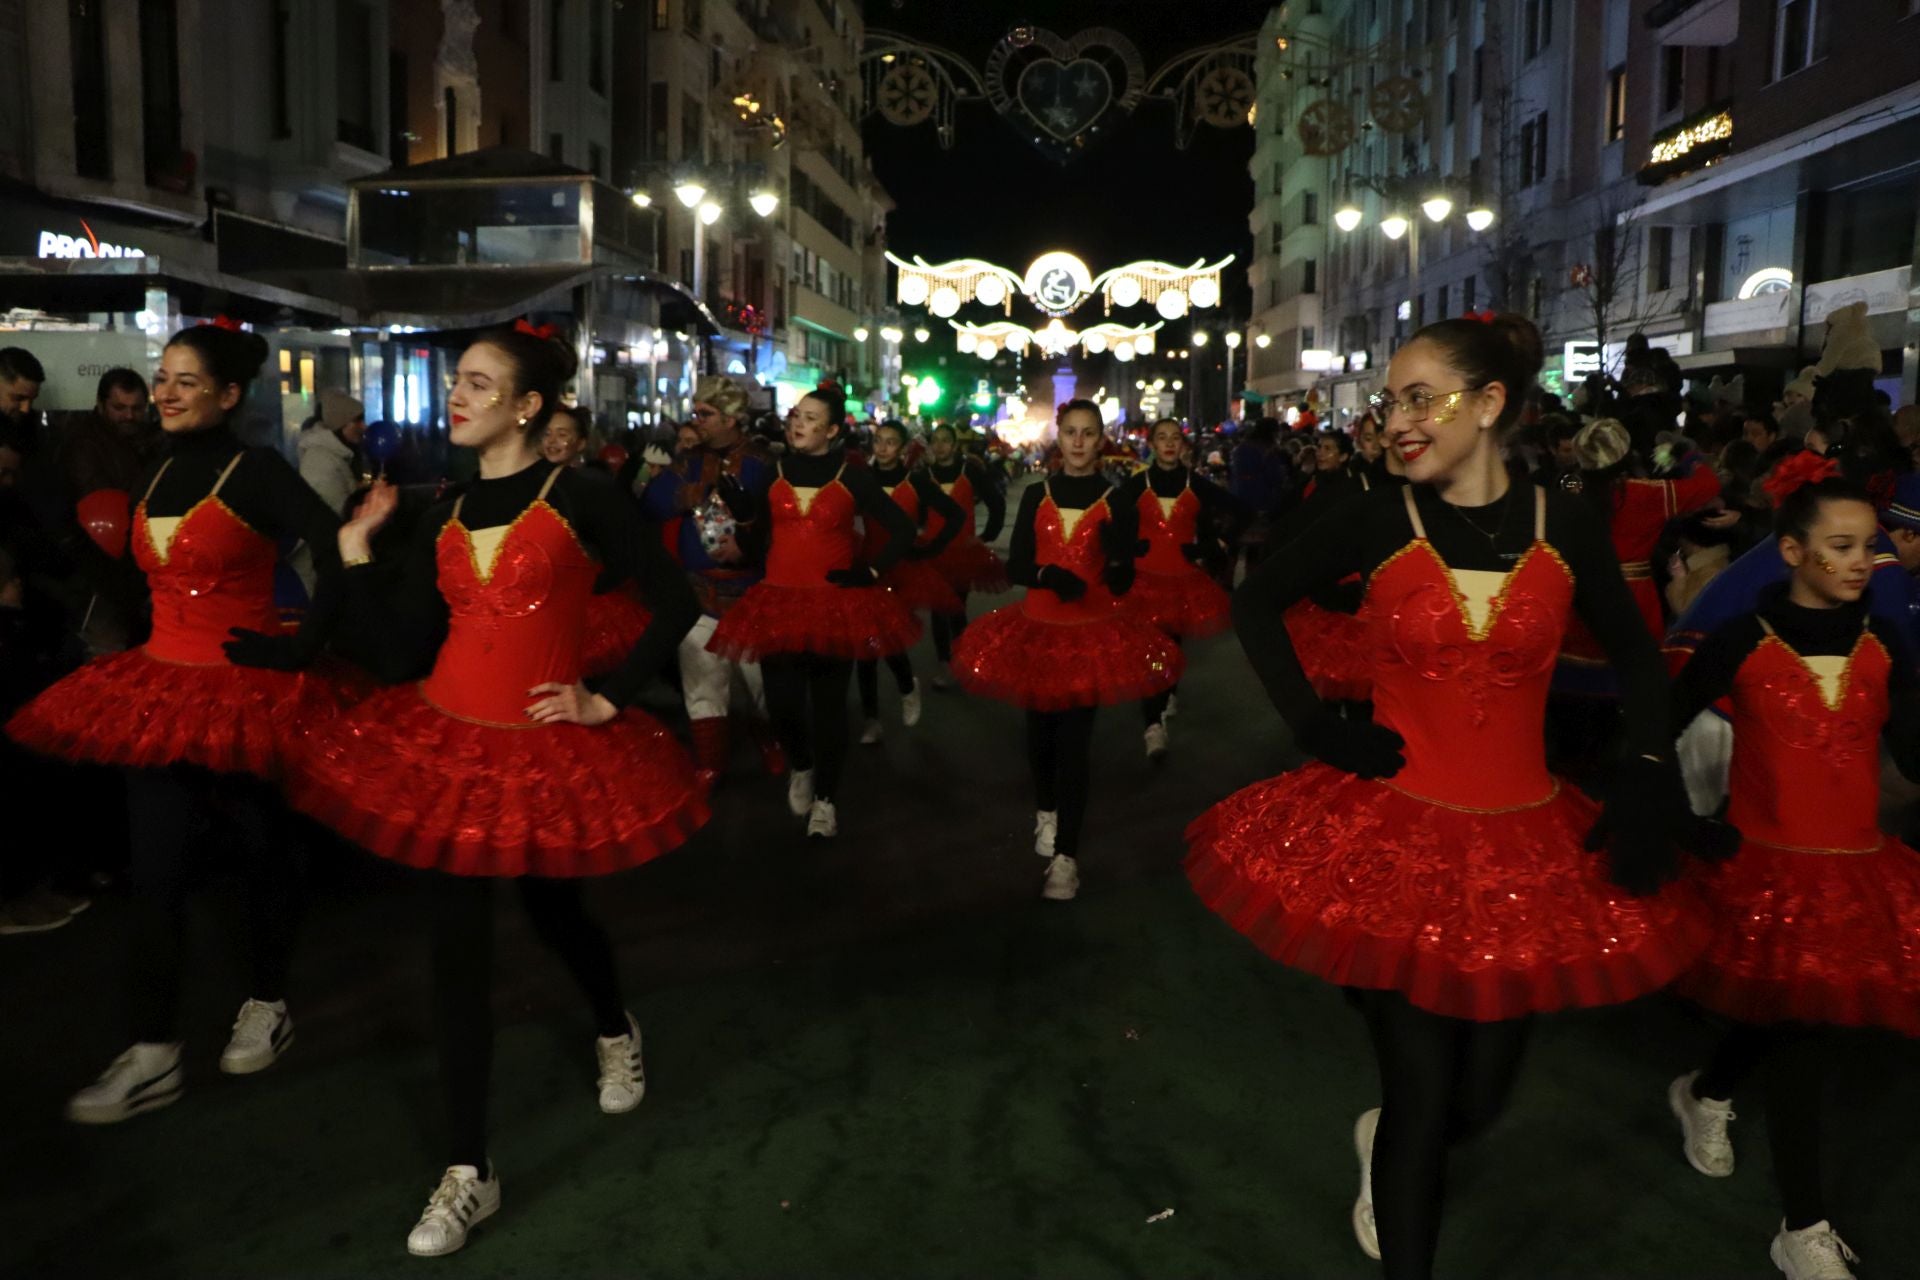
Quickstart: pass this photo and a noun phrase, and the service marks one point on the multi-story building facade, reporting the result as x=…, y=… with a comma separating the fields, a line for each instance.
x=1645, y=161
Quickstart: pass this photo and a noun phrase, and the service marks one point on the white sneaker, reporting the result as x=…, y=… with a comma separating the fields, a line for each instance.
x=870, y=733
x=623, y=1076
x=1046, y=828
x=461, y=1201
x=910, y=706
x=1814, y=1253
x=800, y=792
x=822, y=822
x=143, y=1078
x=1063, y=879
x=1173, y=705
x=261, y=1034
x=1156, y=742
x=1703, y=1127
x=942, y=678
x=1364, y=1229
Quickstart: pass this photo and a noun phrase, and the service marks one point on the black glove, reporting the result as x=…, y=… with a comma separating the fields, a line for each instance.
x=738, y=500
x=858, y=575
x=1711, y=839
x=1359, y=747
x=923, y=551
x=1118, y=575
x=1645, y=815
x=1195, y=552
x=258, y=649
x=1066, y=584
x=1116, y=544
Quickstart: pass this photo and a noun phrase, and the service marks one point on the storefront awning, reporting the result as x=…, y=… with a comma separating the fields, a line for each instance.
x=82, y=286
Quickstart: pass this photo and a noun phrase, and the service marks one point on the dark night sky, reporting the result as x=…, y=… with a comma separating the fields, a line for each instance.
x=1131, y=195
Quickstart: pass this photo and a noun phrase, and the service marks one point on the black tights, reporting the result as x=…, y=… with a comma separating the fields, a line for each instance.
x=868, y=674
x=463, y=987
x=1060, y=754
x=172, y=813
x=1792, y=1059
x=947, y=628
x=1442, y=1080
x=807, y=698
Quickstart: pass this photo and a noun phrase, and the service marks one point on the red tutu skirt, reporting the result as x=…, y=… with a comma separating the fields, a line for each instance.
x=615, y=622
x=918, y=585
x=1333, y=651
x=969, y=564
x=413, y=784
x=830, y=621
x=1057, y=666
x=129, y=709
x=1186, y=605
x=1813, y=937
x=1484, y=916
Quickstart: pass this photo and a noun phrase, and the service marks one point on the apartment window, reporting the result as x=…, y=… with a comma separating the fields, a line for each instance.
x=1659, y=258
x=1310, y=276
x=596, y=160
x=450, y=120
x=556, y=40
x=694, y=19
x=1278, y=233
x=1479, y=70
x=86, y=28
x=693, y=133
x=1278, y=171
x=557, y=146
x=1307, y=335
x=1539, y=22
x=160, y=92
x=1673, y=78
x=1794, y=27
x=1467, y=292
x=1440, y=304
x=1310, y=208
x=282, y=22
x=1452, y=88
x=1617, y=104
x=1540, y=147
x=657, y=120
x=597, y=45
x=1526, y=155
x=662, y=15
x=353, y=78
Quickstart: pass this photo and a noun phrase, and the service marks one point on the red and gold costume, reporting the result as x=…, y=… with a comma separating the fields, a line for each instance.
x=1642, y=510
x=918, y=584
x=177, y=699
x=967, y=563
x=1169, y=590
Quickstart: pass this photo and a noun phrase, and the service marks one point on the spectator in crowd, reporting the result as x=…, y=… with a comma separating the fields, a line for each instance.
x=21, y=377
x=1760, y=430
x=109, y=446
x=330, y=449
x=566, y=438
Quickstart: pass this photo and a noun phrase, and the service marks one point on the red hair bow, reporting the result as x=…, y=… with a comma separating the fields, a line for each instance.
x=224, y=321
x=1482, y=317
x=545, y=332
x=1804, y=468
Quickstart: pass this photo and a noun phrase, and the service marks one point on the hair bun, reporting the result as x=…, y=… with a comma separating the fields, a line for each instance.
x=1524, y=334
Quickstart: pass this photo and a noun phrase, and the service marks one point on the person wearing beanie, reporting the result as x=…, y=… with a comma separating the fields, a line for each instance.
x=329, y=449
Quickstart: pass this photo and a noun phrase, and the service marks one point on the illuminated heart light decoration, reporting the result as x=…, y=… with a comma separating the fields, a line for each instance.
x=1061, y=92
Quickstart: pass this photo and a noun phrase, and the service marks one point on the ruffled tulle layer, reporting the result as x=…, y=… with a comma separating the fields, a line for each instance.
x=416, y=785
x=1053, y=666
x=969, y=564
x=615, y=622
x=1485, y=916
x=1187, y=605
x=1813, y=937
x=832, y=622
x=1333, y=651
x=129, y=709
x=918, y=585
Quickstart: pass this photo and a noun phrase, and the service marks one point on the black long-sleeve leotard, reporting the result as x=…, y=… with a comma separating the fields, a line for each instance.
x=265, y=492
x=804, y=471
x=1811, y=633
x=984, y=491
x=403, y=618
x=933, y=501
x=1356, y=537
x=1073, y=493
x=1167, y=482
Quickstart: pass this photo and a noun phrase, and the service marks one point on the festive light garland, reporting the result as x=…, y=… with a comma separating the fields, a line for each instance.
x=988, y=340
x=1057, y=283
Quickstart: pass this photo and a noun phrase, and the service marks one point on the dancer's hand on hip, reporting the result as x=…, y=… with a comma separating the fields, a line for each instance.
x=569, y=704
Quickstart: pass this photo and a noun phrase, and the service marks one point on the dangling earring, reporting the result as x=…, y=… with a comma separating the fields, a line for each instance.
x=523, y=422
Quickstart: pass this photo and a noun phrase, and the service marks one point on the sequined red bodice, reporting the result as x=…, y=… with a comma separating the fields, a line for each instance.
x=1470, y=701
x=213, y=573
x=1071, y=540
x=1168, y=525
x=813, y=533
x=515, y=623
x=907, y=498
x=961, y=491
x=1805, y=771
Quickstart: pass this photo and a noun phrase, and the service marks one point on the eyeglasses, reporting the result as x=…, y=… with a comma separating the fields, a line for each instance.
x=1419, y=406
x=699, y=412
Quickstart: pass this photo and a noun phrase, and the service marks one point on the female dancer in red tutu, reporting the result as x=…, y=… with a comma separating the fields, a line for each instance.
x=1067, y=647
x=1428, y=860
x=967, y=563
x=501, y=764
x=1819, y=913
x=195, y=731
x=817, y=610
x=1329, y=636
x=913, y=578
x=1170, y=590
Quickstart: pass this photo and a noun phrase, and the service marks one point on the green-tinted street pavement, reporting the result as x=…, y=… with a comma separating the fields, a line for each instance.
x=883, y=1058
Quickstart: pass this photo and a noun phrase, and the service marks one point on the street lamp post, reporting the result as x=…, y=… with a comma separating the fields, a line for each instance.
x=1233, y=345
x=1199, y=342
x=1398, y=193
